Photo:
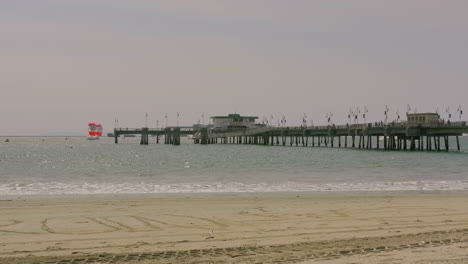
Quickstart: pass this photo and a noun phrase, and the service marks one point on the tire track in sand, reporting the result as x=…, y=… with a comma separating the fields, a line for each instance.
x=283, y=253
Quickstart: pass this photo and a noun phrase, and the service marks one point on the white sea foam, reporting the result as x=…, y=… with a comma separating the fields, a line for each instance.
x=58, y=188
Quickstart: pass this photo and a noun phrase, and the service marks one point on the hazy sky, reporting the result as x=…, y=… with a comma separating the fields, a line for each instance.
x=64, y=63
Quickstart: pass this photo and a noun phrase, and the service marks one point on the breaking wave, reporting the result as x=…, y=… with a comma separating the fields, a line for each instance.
x=58, y=188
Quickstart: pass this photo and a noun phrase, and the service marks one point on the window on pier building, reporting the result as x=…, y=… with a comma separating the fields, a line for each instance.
x=424, y=118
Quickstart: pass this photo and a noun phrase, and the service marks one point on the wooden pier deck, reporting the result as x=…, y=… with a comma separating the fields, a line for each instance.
x=397, y=136
x=171, y=134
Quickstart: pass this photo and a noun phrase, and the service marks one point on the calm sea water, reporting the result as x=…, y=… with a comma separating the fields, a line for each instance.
x=59, y=166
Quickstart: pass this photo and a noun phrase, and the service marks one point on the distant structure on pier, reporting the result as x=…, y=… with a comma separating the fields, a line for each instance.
x=199, y=126
x=234, y=121
x=423, y=118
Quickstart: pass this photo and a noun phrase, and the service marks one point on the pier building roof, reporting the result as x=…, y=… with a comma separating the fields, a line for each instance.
x=423, y=117
x=423, y=114
x=235, y=116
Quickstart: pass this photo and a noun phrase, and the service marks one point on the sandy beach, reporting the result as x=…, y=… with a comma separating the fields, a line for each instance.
x=421, y=228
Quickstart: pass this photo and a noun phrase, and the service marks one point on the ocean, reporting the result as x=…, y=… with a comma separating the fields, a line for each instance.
x=43, y=166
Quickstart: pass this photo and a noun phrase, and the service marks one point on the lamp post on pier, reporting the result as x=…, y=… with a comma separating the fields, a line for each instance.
x=349, y=116
x=449, y=115
x=329, y=116
x=283, y=121
x=386, y=113
x=177, y=118
x=146, y=119
x=460, y=112
x=364, y=114
x=304, y=120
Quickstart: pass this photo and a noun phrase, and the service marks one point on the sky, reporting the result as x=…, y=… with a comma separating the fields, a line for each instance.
x=64, y=63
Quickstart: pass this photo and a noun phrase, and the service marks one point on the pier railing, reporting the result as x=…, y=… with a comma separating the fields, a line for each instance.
x=378, y=125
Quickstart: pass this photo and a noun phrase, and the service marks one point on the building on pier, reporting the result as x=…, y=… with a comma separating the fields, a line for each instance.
x=199, y=126
x=423, y=118
x=233, y=121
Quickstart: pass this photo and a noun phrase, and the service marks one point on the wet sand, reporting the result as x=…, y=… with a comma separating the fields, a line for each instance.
x=422, y=228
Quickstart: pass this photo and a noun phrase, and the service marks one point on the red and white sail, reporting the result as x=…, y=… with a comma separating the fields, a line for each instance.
x=98, y=130
x=92, y=129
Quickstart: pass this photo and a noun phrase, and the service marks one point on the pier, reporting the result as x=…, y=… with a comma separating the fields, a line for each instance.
x=393, y=136
x=171, y=134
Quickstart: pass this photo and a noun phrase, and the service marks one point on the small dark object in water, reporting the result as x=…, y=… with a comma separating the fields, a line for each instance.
x=7, y=140
x=43, y=140
x=66, y=138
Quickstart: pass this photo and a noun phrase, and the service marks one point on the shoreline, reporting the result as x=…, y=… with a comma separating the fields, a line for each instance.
x=370, y=193
x=230, y=228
